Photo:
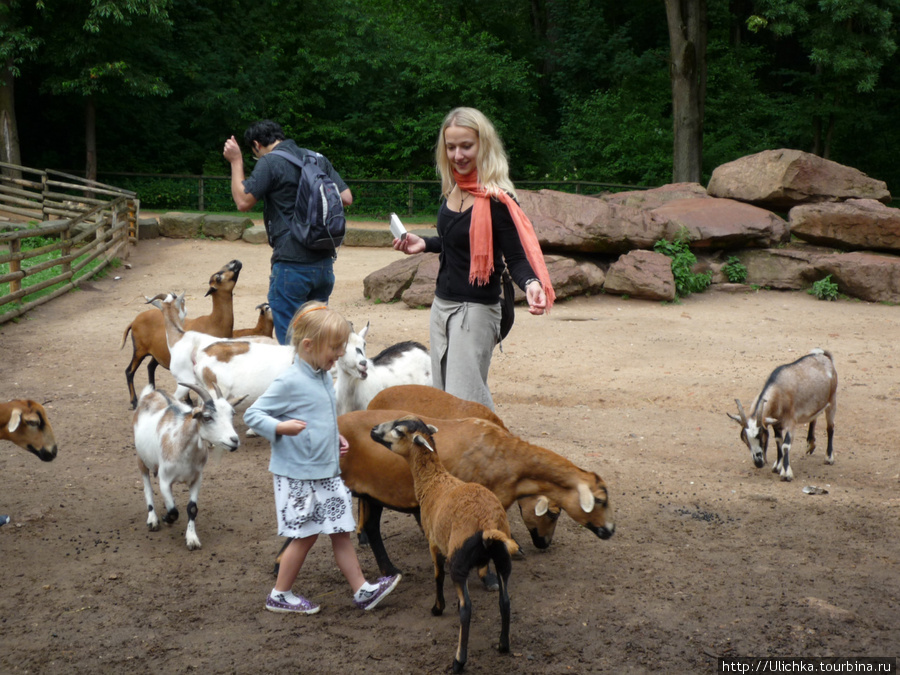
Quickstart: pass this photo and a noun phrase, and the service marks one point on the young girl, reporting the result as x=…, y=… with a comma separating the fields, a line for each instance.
x=310, y=497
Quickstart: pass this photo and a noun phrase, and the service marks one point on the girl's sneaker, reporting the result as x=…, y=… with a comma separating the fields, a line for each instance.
x=370, y=595
x=280, y=603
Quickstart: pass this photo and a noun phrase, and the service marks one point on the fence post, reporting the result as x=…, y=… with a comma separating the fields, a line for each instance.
x=200, y=195
x=411, y=204
x=15, y=265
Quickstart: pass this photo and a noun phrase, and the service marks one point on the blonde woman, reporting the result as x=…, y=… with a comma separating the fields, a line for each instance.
x=480, y=231
x=297, y=414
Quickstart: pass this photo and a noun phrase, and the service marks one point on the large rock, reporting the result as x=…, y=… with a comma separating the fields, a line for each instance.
x=721, y=223
x=851, y=225
x=656, y=197
x=869, y=276
x=181, y=225
x=412, y=278
x=255, y=235
x=782, y=179
x=782, y=269
x=642, y=274
x=230, y=228
x=571, y=223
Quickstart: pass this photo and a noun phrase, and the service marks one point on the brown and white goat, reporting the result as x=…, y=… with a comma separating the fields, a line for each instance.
x=148, y=330
x=475, y=451
x=538, y=514
x=172, y=441
x=465, y=524
x=794, y=394
x=265, y=324
x=25, y=423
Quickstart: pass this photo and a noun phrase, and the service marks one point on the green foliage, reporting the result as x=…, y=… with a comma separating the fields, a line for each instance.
x=734, y=270
x=824, y=289
x=683, y=261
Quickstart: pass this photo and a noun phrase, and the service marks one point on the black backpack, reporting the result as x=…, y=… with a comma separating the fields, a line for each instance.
x=318, y=222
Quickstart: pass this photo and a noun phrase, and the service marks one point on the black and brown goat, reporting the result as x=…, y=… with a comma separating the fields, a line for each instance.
x=148, y=329
x=465, y=524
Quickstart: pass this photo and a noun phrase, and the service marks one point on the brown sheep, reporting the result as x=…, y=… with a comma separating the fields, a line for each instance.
x=475, y=451
x=464, y=523
x=148, y=330
x=538, y=514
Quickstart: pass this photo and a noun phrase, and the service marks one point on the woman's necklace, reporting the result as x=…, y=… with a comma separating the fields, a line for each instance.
x=462, y=199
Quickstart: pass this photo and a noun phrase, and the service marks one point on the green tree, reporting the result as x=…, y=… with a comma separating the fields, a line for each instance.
x=104, y=50
x=845, y=46
x=17, y=43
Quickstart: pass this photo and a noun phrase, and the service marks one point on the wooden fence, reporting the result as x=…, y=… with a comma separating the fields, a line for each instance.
x=84, y=220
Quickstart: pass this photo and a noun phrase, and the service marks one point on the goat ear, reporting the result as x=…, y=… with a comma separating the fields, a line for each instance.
x=235, y=402
x=735, y=418
x=541, y=506
x=771, y=420
x=420, y=440
x=585, y=497
x=365, y=330
x=15, y=420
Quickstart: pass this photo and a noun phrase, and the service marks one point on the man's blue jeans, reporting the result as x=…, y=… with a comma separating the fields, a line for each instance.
x=292, y=284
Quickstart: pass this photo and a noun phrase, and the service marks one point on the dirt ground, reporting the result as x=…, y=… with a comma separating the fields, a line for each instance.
x=711, y=556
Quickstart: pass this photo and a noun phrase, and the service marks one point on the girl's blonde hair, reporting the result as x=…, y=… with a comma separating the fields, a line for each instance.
x=316, y=322
x=491, y=162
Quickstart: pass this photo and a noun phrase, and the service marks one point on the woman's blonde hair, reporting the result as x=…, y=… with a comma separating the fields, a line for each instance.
x=491, y=162
x=316, y=322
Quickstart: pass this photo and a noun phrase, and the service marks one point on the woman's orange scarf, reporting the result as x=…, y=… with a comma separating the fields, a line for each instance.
x=481, y=239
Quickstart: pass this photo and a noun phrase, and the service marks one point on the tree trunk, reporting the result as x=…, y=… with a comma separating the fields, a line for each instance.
x=9, y=131
x=687, y=70
x=90, y=138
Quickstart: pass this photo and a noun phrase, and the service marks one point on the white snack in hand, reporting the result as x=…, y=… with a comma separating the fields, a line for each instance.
x=397, y=228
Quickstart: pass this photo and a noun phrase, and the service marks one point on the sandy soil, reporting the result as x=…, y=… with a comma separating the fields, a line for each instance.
x=711, y=557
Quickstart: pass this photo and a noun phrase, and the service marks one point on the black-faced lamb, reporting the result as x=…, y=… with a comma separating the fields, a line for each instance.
x=794, y=394
x=465, y=524
x=172, y=441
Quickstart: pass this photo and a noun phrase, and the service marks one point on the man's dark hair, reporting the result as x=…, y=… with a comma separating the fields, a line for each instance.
x=264, y=132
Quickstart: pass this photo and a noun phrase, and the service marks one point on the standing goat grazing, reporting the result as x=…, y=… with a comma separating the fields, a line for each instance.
x=171, y=441
x=148, y=331
x=464, y=523
x=795, y=394
x=360, y=378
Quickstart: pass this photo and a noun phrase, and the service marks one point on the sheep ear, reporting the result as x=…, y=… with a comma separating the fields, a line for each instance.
x=541, y=506
x=585, y=497
x=15, y=420
x=432, y=429
x=419, y=440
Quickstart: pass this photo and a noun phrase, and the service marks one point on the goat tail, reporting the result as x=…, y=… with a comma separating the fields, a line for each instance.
x=125, y=336
x=497, y=535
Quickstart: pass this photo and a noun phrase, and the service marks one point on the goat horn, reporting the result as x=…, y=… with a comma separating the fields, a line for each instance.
x=201, y=392
x=158, y=296
x=759, y=412
x=741, y=411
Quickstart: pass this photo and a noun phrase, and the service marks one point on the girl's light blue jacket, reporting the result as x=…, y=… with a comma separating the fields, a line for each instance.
x=306, y=394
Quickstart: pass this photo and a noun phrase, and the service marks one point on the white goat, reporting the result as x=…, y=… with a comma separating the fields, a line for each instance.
x=360, y=378
x=241, y=367
x=795, y=394
x=171, y=441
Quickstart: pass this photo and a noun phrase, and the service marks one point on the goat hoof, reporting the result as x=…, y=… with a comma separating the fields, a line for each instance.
x=171, y=516
x=437, y=611
x=491, y=583
x=457, y=666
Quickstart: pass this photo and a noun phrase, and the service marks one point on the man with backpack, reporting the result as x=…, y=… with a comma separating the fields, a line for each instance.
x=302, y=264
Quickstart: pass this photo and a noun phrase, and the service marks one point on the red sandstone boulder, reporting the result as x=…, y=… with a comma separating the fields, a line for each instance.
x=781, y=179
x=722, y=223
x=851, y=225
x=642, y=274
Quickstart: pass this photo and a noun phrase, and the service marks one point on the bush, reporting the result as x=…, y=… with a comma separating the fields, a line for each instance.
x=734, y=270
x=824, y=289
x=683, y=261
